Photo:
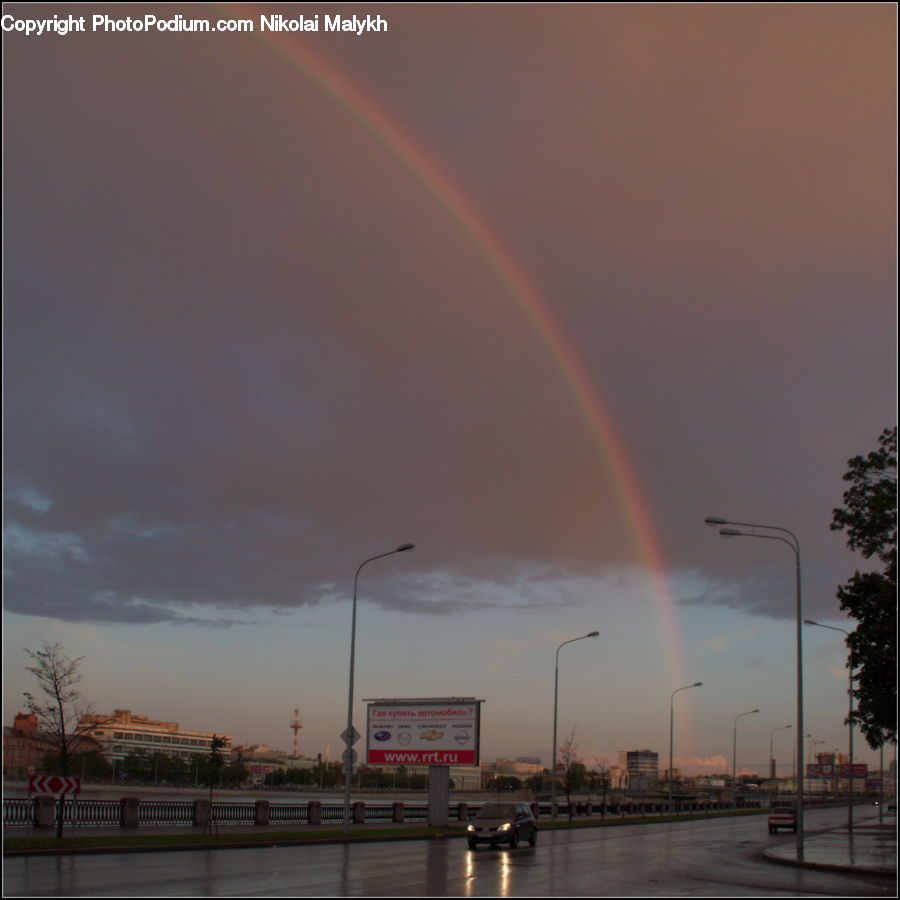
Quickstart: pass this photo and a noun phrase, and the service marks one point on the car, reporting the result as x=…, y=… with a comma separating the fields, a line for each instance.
x=503, y=823
x=782, y=817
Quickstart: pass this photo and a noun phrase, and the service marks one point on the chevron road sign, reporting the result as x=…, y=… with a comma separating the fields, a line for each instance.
x=53, y=784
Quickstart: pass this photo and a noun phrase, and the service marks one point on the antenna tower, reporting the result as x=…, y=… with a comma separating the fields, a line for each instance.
x=295, y=726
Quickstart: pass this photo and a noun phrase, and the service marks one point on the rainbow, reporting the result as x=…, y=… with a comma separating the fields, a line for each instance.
x=422, y=165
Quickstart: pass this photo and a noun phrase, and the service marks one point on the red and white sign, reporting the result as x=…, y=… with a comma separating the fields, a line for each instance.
x=53, y=784
x=423, y=732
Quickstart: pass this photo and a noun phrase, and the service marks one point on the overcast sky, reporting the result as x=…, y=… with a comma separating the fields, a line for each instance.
x=262, y=322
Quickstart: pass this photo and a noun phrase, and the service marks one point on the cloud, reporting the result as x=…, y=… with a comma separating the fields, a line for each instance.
x=696, y=765
x=246, y=348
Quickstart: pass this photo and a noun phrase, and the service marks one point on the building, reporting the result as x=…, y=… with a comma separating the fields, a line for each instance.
x=24, y=748
x=641, y=768
x=523, y=768
x=124, y=732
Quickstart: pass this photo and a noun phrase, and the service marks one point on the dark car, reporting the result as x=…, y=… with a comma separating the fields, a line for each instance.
x=503, y=823
x=782, y=817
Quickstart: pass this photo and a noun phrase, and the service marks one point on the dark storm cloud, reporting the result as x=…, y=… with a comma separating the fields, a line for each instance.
x=245, y=349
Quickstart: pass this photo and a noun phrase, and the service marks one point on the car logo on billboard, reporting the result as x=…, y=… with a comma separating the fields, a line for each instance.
x=382, y=735
x=431, y=735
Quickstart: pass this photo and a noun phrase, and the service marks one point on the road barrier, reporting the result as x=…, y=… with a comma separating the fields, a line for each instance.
x=131, y=812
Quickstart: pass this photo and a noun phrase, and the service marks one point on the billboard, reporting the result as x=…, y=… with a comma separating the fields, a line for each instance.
x=820, y=770
x=423, y=732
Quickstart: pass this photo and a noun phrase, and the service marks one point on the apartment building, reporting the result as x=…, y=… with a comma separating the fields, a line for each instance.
x=641, y=767
x=123, y=732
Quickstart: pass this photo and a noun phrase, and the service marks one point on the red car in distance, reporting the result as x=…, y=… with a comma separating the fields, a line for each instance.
x=782, y=817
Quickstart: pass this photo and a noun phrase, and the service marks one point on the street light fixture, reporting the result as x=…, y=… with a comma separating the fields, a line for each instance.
x=672, y=731
x=773, y=768
x=849, y=724
x=349, y=738
x=792, y=542
x=813, y=744
x=734, y=752
x=591, y=634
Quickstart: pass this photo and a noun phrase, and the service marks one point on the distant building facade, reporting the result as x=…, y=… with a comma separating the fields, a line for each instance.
x=124, y=732
x=641, y=768
x=24, y=748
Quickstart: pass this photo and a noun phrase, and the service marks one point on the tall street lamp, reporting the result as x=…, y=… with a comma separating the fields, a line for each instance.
x=672, y=731
x=734, y=750
x=349, y=734
x=792, y=542
x=592, y=634
x=773, y=769
x=849, y=724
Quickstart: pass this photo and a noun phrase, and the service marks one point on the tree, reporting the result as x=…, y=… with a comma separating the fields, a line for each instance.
x=869, y=518
x=60, y=711
x=574, y=773
x=505, y=783
x=92, y=765
x=599, y=778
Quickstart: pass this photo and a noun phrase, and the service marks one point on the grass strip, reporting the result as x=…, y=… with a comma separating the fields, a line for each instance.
x=113, y=842
x=162, y=841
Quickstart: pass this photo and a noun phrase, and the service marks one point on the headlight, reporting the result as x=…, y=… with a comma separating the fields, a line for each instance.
x=504, y=827
x=471, y=828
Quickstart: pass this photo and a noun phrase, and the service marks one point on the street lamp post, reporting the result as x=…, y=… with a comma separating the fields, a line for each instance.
x=348, y=734
x=813, y=744
x=773, y=769
x=591, y=634
x=849, y=725
x=794, y=544
x=672, y=731
x=734, y=751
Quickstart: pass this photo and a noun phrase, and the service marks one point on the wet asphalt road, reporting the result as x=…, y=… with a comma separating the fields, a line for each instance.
x=708, y=858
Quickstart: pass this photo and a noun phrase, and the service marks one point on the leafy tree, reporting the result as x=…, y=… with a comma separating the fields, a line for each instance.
x=535, y=782
x=869, y=518
x=215, y=762
x=504, y=783
x=91, y=766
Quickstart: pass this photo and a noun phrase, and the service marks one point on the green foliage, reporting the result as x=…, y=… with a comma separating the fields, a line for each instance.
x=505, y=783
x=869, y=518
x=140, y=767
x=215, y=761
x=535, y=782
x=91, y=766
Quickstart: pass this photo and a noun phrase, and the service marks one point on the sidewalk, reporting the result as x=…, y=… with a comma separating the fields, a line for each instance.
x=870, y=848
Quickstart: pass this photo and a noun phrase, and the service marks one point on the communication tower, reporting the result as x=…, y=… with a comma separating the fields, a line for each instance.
x=295, y=726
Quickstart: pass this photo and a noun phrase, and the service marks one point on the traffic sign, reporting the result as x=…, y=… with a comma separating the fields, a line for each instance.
x=53, y=784
x=350, y=736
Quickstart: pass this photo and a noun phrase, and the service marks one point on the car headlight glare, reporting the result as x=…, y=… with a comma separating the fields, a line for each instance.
x=471, y=828
x=504, y=827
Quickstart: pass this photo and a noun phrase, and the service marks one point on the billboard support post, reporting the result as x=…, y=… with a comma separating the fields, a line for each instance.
x=438, y=795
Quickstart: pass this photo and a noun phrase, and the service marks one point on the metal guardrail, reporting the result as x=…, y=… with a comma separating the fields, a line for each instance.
x=288, y=813
x=20, y=812
x=164, y=812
